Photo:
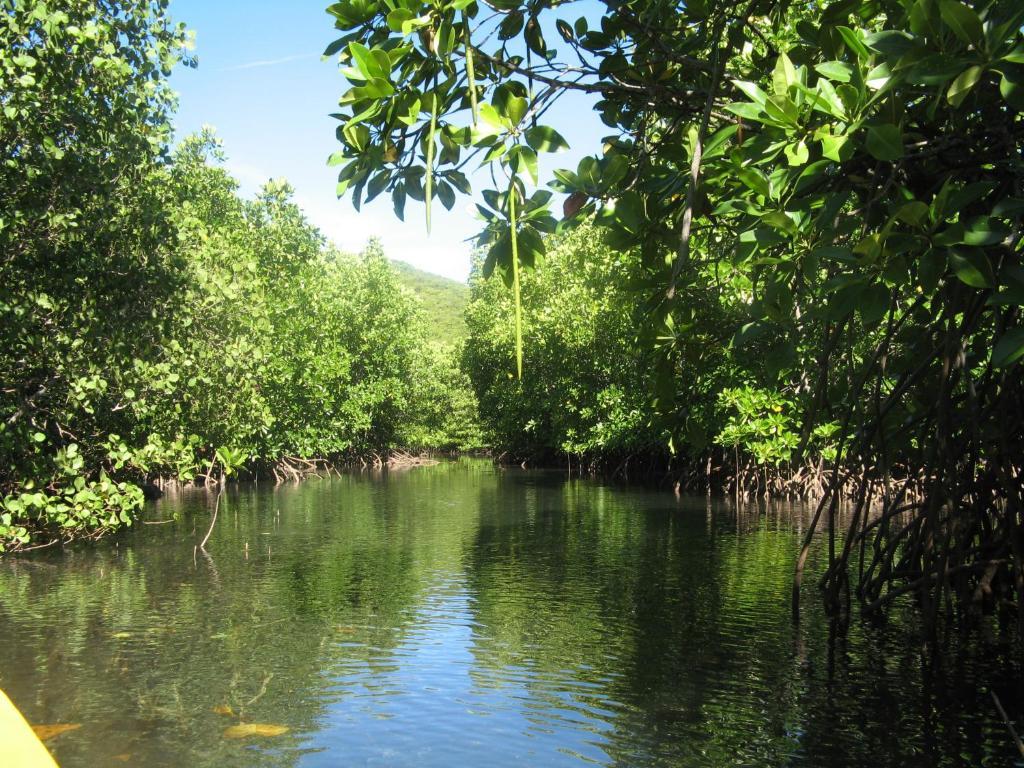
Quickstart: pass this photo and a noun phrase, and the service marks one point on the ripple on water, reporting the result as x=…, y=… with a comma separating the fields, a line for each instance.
x=448, y=618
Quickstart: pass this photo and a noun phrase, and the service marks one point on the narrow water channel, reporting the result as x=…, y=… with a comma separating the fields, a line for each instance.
x=463, y=615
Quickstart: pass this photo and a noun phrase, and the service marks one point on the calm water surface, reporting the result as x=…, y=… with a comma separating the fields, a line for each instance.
x=462, y=615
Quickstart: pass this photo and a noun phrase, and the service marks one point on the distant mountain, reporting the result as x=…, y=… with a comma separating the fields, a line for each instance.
x=444, y=300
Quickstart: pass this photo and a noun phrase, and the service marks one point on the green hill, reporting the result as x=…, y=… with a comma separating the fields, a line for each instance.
x=444, y=300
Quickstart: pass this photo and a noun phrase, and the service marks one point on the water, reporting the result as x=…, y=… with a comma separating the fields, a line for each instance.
x=462, y=615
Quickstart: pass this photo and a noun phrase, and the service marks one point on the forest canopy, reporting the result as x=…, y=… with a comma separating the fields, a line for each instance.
x=825, y=196
x=791, y=266
x=155, y=324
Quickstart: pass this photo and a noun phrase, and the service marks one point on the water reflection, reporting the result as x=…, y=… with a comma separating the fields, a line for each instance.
x=462, y=615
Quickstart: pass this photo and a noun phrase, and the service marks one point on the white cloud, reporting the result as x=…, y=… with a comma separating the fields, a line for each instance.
x=443, y=252
x=250, y=177
x=270, y=62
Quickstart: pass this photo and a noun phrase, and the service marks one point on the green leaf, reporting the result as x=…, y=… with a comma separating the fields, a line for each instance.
x=376, y=185
x=368, y=64
x=914, y=213
x=752, y=92
x=334, y=47
x=755, y=179
x=523, y=159
x=717, y=141
x=492, y=117
x=445, y=194
x=878, y=77
x=838, y=253
x=984, y=231
x=874, y=303
x=458, y=180
x=1009, y=348
x=1016, y=56
x=837, y=148
x=783, y=110
x=498, y=150
x=565, y=181
x=972, y=267
x=826, y=99
x=894, y=43
x=780, y=221
x=797, y=154
x=748, y=333
x=854, y=42
x=398, y=200
x=535, y=38
x=962, y=20
x=628, y=212
x=614, y=169
x=515, y=108
x=545, y=139
x=376, y=88
x=1012, y=92
x=511, y=25
x=1013, y=296
x=843, y=303
x=589, y=172
x=962, y=86
x=784, y=75
x=401, y=20
x=750, y=111
x=531, y=246
x=1009, y=207
x=837, y=71
x=885, y=142
x=357, y=136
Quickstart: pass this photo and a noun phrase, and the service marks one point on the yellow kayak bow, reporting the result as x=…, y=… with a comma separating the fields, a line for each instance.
x=19, y=745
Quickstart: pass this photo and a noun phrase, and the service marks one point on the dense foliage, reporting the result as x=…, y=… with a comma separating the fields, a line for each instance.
x=442, y=406
x=444, y=301
x=589, y=398
x=841, y=180
x=152, y=322
x=585, y=394
x=85, y=275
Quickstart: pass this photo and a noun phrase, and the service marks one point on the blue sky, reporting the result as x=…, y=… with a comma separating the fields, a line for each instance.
x=262, y=85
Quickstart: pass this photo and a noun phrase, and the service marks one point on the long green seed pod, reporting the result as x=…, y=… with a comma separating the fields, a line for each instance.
x=529, y=79
x=470, y=71
x=515, y=279
x=429, y=181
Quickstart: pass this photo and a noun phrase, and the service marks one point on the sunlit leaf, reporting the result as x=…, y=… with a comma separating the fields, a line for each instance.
x=962, y=86
x=52, y=730
x=545, y=139
x=247, y=730
x=972, y=267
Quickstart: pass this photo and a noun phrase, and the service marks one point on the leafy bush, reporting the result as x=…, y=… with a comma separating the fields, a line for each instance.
x=837, y=184
x=584, y=390
x=152, y=322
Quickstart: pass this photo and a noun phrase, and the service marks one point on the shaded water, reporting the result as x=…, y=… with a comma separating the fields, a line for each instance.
x=462, y=615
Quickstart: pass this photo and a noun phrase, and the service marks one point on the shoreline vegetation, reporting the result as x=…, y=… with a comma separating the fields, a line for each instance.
x=803, y=241
x=153, y=323
x=794, y=268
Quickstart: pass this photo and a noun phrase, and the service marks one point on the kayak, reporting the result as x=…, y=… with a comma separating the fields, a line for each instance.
x=19, y=745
